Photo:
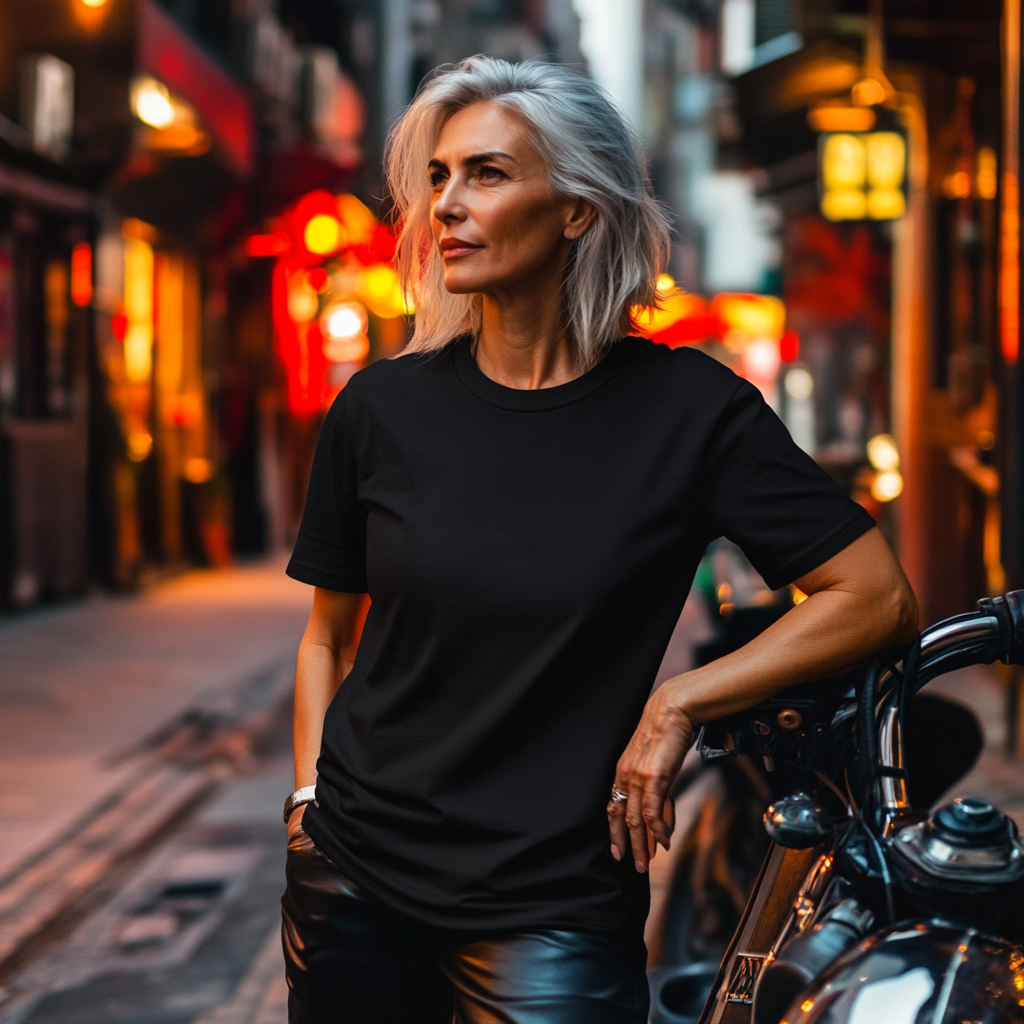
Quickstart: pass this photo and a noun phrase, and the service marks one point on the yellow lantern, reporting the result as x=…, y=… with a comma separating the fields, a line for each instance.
x=862, y=175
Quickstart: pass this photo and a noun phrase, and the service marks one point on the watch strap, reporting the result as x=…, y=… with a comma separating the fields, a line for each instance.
x=305, y=795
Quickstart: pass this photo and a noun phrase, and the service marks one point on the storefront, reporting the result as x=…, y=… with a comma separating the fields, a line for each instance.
x=46, y=234
x=881, y=143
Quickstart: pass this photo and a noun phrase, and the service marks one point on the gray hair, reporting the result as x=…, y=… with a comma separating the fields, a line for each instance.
x=592, y=153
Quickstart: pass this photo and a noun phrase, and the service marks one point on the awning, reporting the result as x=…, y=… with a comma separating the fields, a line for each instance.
x=165, y=50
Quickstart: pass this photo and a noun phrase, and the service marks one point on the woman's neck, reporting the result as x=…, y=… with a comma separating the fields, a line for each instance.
x=523, y=342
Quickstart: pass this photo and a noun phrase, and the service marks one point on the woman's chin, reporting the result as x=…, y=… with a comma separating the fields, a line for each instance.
x=462, y=284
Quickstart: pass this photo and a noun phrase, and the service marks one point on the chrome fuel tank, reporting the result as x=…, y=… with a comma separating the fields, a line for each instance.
x=919, y=972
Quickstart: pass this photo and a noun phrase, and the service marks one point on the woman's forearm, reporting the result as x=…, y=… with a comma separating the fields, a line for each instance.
x=326, y=654
x=860, y=603
x=833, y=631
x=318, y=673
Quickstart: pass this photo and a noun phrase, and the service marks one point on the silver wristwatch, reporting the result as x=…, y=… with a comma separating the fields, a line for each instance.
x=306, y=795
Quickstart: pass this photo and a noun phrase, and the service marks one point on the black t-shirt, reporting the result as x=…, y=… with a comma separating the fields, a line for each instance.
x=527, y=554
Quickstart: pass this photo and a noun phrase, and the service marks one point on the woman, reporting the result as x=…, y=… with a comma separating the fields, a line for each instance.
x=525, y=495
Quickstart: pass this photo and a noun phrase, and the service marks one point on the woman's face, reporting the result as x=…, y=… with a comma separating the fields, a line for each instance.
x=493, y=218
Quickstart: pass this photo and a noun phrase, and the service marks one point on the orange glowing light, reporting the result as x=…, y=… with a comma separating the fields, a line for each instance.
x=138, y=307
x=357, y=219
x=1009, y=270
x=754, y=316
x=957, y=185
x=987, y=181
x=868, y=92
x=834, y=117
x=681, y=318
x=197, y=470
x=81, y=274
x=95, y=3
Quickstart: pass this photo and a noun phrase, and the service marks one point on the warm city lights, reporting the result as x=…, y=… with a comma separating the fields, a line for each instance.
x=323, y=234
x=138, y=309
x=840, y=117
x=887, y=486
x=303, y=300
x=345, y=321
x=868, y=92
x=316, y=575
x=799, y=384
x=151, y=103
x=883, y=453
x=344, y=330
x=862, y=175
x=81, y=274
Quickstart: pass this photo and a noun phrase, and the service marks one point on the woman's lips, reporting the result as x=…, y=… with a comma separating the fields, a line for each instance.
x=453, y=247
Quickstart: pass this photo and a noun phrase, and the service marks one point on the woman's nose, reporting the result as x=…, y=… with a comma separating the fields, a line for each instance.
x=448, y=209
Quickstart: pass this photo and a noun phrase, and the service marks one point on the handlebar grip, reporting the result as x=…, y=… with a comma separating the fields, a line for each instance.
x=1009, y=612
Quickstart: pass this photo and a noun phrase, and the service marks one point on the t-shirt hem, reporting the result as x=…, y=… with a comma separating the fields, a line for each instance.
x=856, y=526
x=477, y=924
x=328, y=581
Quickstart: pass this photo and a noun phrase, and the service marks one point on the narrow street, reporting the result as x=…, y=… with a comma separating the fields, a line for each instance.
x=146, y=752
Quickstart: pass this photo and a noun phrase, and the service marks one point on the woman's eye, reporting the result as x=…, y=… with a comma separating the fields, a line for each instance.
x=437, y=179
x=493, y=173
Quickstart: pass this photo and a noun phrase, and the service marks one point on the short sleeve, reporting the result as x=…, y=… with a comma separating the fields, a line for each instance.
x=330, y=550
x=772, y=499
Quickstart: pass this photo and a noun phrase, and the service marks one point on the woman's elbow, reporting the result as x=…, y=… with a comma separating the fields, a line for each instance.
x=902, y=612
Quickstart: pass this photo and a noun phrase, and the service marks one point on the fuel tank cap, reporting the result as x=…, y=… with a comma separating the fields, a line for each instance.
x=968, y=840
x=971, y=820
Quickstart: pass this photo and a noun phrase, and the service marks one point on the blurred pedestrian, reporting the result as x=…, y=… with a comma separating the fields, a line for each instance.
x=525, y=494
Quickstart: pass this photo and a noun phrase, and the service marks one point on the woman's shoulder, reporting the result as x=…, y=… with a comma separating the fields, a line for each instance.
x=684, y=366
x=383, y=376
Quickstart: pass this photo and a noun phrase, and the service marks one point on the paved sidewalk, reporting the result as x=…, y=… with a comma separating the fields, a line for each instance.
x=86, y=688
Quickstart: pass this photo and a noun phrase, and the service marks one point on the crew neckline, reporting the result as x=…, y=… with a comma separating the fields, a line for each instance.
x=539, y=399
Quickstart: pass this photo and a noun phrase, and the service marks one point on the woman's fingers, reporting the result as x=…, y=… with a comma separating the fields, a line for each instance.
x=617, y=828
x=645, y=773
x=636, y=824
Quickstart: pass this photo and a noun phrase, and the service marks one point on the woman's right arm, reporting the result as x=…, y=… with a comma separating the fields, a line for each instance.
x=326, y=653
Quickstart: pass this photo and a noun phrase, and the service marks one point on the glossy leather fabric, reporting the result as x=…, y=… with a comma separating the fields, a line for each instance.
x=350, y=960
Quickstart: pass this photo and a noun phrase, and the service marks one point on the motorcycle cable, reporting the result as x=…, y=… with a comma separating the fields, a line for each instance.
x=867, y=740
x=866, y=726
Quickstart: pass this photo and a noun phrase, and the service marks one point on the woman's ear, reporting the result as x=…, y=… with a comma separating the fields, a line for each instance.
x=579, y=215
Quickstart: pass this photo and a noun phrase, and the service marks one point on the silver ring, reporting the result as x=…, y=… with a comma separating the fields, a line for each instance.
x=618, y=797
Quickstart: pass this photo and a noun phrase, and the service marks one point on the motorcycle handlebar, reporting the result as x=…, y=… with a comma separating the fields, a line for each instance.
x=995, y=632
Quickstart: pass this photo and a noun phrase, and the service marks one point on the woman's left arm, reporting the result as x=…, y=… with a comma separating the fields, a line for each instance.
x=859, y=602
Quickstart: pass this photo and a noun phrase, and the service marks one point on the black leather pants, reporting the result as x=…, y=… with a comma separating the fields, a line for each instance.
x=350, y=960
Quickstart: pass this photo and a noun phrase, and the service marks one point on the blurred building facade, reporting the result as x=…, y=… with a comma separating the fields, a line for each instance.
x=154, y=155
x=147, y=398
x=906, y=310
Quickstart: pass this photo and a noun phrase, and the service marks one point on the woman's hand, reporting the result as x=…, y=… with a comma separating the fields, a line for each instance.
x=295, y=821
x=644, y=773
x=859, y=603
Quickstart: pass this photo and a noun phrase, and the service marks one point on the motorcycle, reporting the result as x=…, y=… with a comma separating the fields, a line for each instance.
x=866, y=908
